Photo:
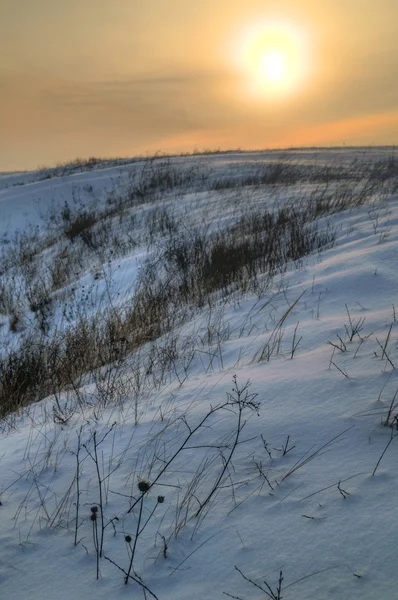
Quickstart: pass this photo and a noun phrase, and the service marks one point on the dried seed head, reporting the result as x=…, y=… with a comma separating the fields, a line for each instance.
x=94, y=509
x=160, y=499
x=128, y=539
x=143, y=486
x=93, y=516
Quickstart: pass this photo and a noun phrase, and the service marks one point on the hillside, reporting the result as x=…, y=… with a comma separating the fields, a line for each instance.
x=198, y=377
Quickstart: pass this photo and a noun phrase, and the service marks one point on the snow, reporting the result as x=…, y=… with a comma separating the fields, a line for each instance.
x=326, y=407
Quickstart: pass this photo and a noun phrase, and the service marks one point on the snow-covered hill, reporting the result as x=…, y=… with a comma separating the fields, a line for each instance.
x=217, y=340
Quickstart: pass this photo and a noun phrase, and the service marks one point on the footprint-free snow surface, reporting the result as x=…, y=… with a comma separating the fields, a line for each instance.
x=264, y=455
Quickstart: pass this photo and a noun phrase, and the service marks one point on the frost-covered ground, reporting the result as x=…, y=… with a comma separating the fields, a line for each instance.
x=191, y=470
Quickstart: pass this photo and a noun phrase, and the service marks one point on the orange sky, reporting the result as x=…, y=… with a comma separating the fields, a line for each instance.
x=99, y=78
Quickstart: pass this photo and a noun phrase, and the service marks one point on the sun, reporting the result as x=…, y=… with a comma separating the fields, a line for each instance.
x=274, y=66
x=274, y=57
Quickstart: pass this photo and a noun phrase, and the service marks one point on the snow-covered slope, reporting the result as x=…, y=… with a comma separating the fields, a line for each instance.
x=260, y=442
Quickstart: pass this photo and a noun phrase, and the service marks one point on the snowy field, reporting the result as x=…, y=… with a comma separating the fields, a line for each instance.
x=235, y=436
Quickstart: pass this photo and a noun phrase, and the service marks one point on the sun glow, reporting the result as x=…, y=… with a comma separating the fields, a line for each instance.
x=274, y=57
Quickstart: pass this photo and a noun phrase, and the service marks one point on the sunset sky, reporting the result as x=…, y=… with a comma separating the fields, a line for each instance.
x=125, y=77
